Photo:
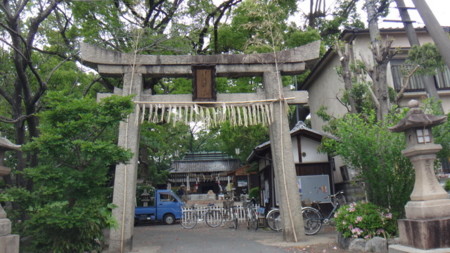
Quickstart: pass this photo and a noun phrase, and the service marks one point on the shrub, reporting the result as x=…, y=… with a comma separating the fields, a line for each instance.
x=254, y=193
x=365, y=220
x=447, y=185
x=366, y=145
x=67, y=208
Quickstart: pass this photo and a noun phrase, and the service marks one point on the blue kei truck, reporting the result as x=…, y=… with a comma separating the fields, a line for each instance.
x=164, y=206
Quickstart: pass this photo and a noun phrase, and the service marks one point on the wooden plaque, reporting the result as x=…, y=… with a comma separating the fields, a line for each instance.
x=204, y=85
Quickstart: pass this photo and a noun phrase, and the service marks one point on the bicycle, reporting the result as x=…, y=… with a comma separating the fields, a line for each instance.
x=213, y=217
x=251, y=215
x=312, y=217
x=229, y=215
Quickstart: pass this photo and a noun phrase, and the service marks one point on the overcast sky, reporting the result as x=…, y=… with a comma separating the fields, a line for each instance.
x=441, y=9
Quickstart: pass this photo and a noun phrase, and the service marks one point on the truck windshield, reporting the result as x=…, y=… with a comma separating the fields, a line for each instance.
x=167, y=197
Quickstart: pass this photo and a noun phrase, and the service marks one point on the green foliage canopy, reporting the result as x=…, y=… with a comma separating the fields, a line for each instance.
x=367, y=146
x=68, y=207
x=244, y=138
x=427, y=57
x=160, y=144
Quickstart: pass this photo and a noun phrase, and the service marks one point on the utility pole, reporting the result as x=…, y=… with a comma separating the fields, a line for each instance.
x=438, y=35
x=407, y=23
x=427, y=80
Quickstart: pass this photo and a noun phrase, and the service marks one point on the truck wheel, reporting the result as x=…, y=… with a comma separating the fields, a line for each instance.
x=169, y=219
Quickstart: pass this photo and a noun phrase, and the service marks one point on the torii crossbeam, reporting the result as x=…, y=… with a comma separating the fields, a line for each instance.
x=272, y=101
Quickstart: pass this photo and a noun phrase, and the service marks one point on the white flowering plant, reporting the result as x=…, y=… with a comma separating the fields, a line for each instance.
x=365, y=220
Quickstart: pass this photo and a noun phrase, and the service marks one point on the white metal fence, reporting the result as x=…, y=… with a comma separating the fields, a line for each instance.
x=200, y=211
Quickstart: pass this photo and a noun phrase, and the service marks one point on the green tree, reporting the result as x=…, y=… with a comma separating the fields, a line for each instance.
x=68, y=206
x=24, y=84
x=329, y=24
x=244, y=138
x=161, y=144
x=441, y=133
x=367, y=146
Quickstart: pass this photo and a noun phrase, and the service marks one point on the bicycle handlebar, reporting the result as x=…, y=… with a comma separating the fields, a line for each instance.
x=336, y=194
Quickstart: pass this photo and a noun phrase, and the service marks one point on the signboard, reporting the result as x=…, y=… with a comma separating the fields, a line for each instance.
x=204, y=85
x=314, y=188
x=242, y=183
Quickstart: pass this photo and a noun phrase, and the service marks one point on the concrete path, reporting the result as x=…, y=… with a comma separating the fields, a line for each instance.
x=154, y=238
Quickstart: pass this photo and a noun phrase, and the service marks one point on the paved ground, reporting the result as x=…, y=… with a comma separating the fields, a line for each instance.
x=155, y=238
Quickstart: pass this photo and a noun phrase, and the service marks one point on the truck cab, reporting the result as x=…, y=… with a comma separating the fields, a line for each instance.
x=164, y=206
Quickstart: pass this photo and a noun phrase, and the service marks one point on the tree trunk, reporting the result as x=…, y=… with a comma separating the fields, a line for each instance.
x=346, y=58
x=380, y=53
x=26, y=94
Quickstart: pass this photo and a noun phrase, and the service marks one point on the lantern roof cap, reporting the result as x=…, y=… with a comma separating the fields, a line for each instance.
x=416, y=118
x=6, y=144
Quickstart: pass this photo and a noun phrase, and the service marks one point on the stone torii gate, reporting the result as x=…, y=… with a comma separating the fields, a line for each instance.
x=203, y=68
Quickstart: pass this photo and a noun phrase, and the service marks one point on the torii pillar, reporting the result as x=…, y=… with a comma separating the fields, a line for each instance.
x=271, y=67
x=124, y=196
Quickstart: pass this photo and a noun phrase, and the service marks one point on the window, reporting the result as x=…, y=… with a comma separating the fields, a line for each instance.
x=166, y=197
x=443, y=79
x=423, y=136
x=400, y=69
x=344, y=173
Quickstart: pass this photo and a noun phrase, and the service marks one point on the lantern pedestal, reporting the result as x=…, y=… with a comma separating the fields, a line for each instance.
x=8, y=243
x=428, y=209
x=428, y=198
x=423, y=235
x=427, y=224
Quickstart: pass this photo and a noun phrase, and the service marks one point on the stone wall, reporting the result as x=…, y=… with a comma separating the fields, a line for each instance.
x=353, y=191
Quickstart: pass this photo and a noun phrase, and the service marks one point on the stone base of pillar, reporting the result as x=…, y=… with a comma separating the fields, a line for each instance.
x=425, y=234
x=9, y=244
x=397, y=248
x=427, y=209
x=119, y=246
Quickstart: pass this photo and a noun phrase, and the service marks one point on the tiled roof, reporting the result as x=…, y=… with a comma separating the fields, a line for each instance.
x=203, y=156
x=299, y=127
x=204, y=163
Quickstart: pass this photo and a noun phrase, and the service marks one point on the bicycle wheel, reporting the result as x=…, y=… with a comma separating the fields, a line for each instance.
x=312, y=220
x=213, y=218
x=226, y=216
x=189, y=219
x=234, y=224
x=274, y=220
x=252, y=220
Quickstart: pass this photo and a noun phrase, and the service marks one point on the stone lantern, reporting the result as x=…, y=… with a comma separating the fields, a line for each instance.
x=8, y=243
x=427, y=223
x=145, y=198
